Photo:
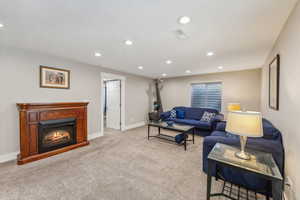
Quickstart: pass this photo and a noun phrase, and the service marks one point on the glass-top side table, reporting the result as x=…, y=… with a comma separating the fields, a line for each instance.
x=261, y=164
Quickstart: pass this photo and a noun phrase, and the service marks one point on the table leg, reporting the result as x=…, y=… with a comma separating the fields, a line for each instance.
x=193, y=135
x=184, y=135
x=208, y=184
x=277, y=190
x=158, y=130
x=148, y=132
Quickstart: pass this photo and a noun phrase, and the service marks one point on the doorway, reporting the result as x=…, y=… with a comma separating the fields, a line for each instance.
x=112, y=103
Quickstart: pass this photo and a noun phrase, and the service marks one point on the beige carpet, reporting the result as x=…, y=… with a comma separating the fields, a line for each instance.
x=117, y=166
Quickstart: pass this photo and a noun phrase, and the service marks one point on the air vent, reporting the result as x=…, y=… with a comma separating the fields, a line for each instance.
x=180, y=34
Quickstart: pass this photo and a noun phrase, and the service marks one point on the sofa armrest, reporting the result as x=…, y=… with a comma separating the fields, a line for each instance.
x=218, y=118
x=165, y=115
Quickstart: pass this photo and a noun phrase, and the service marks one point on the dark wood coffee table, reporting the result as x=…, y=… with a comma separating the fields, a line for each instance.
x=185, y=129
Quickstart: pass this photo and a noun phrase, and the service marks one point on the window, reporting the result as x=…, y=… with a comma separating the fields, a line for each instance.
x=207, y=95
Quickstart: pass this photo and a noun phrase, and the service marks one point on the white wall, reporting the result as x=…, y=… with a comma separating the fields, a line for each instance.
x=238, y=86
x=287, y=118
x=19, y=82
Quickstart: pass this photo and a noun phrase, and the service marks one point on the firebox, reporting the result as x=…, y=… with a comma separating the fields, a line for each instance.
x=55, y=134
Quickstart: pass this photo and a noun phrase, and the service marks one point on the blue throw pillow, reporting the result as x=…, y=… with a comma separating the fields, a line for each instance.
x=221, y=126
x=270, y=132
x=180, y=114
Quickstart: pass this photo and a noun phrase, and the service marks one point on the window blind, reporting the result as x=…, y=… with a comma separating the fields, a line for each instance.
x=207, y=95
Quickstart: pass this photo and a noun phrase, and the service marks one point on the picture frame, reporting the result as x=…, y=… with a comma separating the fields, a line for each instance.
x=274, y=76
x=51, y=77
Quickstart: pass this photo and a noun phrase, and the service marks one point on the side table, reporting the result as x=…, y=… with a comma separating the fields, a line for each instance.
x=261, y=164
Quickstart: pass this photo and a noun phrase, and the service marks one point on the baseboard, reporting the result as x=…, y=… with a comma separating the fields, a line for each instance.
x=136, y=125
x=8, y=157
x=284, y=196
x=94, y=135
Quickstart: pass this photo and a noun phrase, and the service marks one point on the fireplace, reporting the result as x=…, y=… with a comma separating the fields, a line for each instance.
x=47, y=129
x=55, y=134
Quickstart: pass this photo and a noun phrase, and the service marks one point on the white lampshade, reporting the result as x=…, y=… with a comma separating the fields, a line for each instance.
x=245, y=123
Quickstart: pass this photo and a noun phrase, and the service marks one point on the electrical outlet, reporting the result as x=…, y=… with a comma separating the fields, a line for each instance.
x=288, y=182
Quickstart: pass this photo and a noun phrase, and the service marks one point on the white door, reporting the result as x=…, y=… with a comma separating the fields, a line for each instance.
x=113, y=112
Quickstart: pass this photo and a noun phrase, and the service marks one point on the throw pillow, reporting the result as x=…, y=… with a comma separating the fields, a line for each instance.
x=221, y=126
x=173, y=114
x=207, y=116
x=180, y=114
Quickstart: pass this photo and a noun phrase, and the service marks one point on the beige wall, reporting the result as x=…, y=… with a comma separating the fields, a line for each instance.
x=19, y=82
x=287, y=118
x=238, y=86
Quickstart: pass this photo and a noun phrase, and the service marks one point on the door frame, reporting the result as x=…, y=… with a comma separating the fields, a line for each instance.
x=104, y=76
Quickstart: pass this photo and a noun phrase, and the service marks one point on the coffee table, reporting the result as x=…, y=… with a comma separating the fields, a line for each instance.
x=185, y=129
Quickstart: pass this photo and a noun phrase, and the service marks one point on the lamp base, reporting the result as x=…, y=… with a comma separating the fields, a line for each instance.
x=243, y=155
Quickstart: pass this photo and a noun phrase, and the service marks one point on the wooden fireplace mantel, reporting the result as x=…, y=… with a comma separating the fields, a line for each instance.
x=30, y=114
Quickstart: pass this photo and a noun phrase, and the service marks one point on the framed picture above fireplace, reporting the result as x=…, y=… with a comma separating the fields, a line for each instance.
x=51, y=77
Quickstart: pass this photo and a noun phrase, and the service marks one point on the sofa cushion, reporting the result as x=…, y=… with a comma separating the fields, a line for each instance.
x=196, y=123
x=194, y=113
x=219, y=134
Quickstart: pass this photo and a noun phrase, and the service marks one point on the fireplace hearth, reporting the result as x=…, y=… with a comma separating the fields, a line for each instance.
x=55, y=134
x=47, y=129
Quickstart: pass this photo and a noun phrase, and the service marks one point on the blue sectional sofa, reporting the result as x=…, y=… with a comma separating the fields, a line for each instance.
x=271, y=142
x=192, y=116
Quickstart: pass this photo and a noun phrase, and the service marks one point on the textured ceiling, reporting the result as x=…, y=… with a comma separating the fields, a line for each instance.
x=240, y=32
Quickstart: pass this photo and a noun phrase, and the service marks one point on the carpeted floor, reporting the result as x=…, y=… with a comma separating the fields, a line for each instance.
x=117, y=166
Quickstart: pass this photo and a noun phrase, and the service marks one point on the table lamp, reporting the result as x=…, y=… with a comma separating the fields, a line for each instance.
x=233, y=107
x=244, y=124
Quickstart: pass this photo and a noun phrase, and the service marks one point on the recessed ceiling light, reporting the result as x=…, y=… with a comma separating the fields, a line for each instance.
x=1, y=25
x=97, y=54
x=140, y=67
x=168, y=62
x=128, y=42
x=184, y=20
x=210, y=53
x=220, y=67
x=188, y=71
x=164, y=75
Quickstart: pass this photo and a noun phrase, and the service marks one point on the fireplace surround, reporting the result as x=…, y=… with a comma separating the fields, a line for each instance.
x=47, y=129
